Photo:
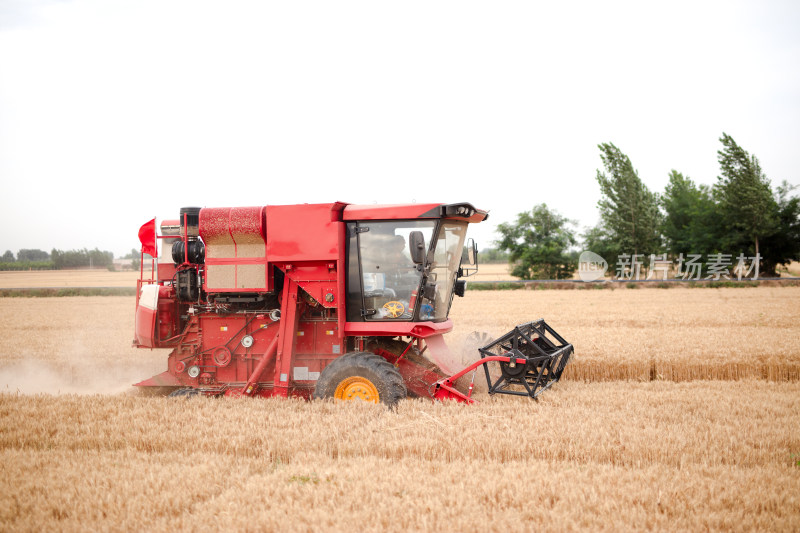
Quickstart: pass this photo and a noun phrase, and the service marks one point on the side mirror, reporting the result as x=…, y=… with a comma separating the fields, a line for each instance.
x=416, y=246
x=471, y=266
x=472, y=252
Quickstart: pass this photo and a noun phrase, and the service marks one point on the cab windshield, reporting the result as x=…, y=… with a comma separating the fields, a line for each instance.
x=443, y=270
x=385, y=284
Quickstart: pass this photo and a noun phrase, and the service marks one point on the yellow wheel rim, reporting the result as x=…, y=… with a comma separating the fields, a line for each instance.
x=394, y=308
x=357, y=388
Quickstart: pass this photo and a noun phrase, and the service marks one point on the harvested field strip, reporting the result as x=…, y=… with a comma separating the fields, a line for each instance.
x=673, y=456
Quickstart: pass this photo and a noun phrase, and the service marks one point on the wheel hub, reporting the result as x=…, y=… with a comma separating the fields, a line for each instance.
x=357, y=388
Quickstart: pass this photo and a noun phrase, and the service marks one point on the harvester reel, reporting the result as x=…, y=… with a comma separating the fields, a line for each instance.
x=537, y=358
x=513, y=370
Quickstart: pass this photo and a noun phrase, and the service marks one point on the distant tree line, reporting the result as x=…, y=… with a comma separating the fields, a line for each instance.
x=740, y=214
x=31, y=259
x=26, y=259
x=492, y=255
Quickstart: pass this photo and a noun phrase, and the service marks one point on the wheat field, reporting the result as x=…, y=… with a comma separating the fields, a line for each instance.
x=660, y=456
x=679, y=412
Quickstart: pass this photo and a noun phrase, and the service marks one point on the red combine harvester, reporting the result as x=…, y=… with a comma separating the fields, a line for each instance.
x=325, y=300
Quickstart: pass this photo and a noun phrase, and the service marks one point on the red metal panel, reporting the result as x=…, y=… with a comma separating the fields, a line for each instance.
x=166, y=271
x=302, y=233
x=420, y=330
x=400, y=211
x=387, y=212
x=318, y=279
x=326, y=337
x=307, y=368
x=304, y=343
x=164, y=379
x=219, y=330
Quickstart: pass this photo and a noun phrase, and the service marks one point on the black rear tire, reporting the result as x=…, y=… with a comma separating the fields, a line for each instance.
x=187, y=392
x=361, y=372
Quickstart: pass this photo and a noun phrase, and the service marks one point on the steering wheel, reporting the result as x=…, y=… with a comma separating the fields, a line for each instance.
x=394, y=309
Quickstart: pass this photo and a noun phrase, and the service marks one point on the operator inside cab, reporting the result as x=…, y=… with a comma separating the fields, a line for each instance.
x=390, y=277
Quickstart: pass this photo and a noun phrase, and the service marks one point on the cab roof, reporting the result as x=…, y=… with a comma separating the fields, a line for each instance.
x=460, y=211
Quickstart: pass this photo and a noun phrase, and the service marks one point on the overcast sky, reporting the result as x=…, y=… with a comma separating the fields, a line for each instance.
x=115, y=111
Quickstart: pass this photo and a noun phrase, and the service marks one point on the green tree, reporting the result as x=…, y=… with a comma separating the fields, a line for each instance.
x=628, y=210
x=81, y=258
x=100, y=258
x=135, y=258
x=599, y=240
x=691, y=224
x=7, y=257
x=745, y=196
x=538, y=244
x=32, y=255
x=783, y=246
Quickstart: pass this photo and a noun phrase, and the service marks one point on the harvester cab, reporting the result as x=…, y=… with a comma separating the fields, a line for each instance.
x=401, y=276
x=325, y=300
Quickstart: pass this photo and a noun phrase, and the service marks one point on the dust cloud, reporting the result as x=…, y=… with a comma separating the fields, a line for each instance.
x=463, y=353
x=74, y=377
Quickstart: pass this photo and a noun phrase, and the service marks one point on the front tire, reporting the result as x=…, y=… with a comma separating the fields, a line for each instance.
x=361, y=376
